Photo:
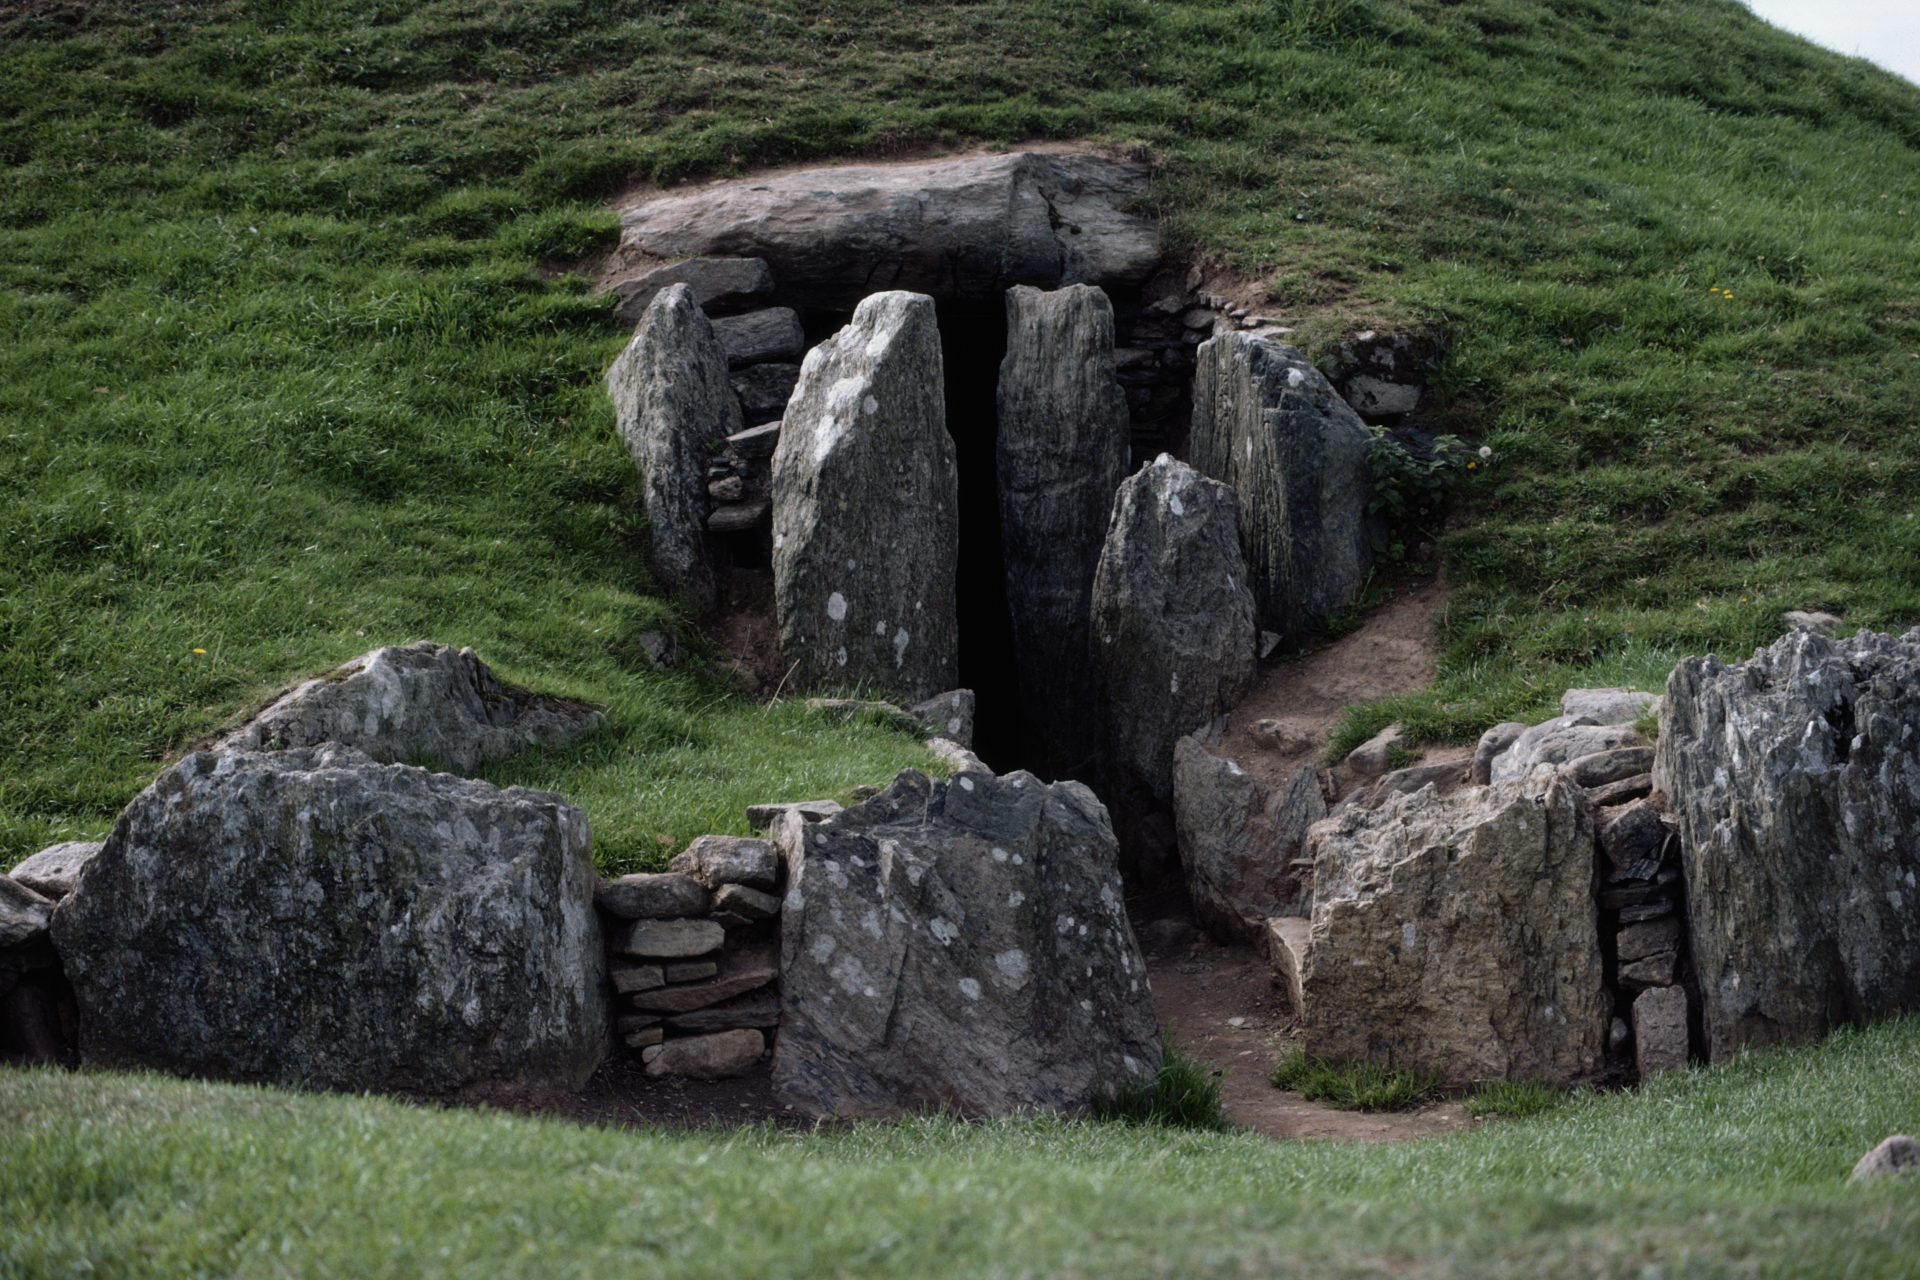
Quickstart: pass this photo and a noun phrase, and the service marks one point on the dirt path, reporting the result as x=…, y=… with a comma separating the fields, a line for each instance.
x=1391, y=652
x=1220, y=1006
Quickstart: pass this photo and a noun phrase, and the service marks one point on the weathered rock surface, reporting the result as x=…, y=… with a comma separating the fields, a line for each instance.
x=424, y=702
x=310, y=917
x=1238, y=842
x=1458, y=935
x=764, y=390
x=670, y=939
x=721, y=860
x=1062, y=453
x=23, y=913
x=1558, y=741
x=1604, y=768
x=1659, y=1031
x=1268, y=424
x=866, y=518
x=1384, y=375
x=1898, y=1156
x=748, y=904
x=742, y=970
x=959, y=944
x=948, y=715
x=1374, y=757
x=1286, y=943
x=762, y=817
x=718, y=285
x=1795, y=781
x=1492, y=745
x=761, y=337
x=54, y=870
x=1173, y=629
x=672, y=404
x=655, y=896
x=1607, y=706
x=709, y=1057
x=964, y=227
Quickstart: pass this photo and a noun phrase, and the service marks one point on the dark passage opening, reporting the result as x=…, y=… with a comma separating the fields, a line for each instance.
x=973, y=341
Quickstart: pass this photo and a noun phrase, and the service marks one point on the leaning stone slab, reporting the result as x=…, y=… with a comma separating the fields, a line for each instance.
x=709, y=1057
x=314, y=918
x=1061, y=455
x=54, y=870
x=761, y=337
x=1239, y=841
x=1659, y=1031
x=1458, y=935
x=960, y=945
x=23, y=914
x=718, y=285
x=673, y=404
x=866, y=510
x=1794, y=778
x=749, y=904
x=722, y=860
x=420, y=703
x=759, y=1010
x=1266, y=422
x=1173, y=630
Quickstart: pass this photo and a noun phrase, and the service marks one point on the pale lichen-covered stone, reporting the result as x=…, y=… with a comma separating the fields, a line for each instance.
x=1062, y=453
x=1559, y=741
x=313, y=918
x=1795, y=782
x=54, y=870
x=963, y=945
x=1458, y=935
x=672, y=404
x=865, y=510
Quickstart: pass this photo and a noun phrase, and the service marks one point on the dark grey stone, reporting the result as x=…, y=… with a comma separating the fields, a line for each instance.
x=761, y=337
x=718, y=285
x=1062, y=453
x=722, y=860
x=764, y=390
x=646, y=896
x=1239, y=841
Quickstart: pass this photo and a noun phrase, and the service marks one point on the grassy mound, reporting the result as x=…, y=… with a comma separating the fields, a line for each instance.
x=1736, y=1171
x=296, y=359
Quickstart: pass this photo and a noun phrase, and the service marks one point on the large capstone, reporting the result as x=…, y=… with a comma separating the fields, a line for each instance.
x=964, y=227
x=1458, y=935
x=314, y=918
x=1795, y=779
x=865, y=510
x=1062, y=453
x=1267, y=423
x=1173, y=629
x=959, y=945
x=673, y=405
x=1241, y=841
x=421, y=703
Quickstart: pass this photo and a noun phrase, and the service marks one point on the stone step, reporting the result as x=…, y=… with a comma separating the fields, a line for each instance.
x=1287, y=953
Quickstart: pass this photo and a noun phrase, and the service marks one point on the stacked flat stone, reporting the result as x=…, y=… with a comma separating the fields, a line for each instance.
x=694, y=960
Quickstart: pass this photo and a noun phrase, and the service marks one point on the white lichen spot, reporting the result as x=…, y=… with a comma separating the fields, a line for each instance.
x=953, y=731
x=880, y=627
x=1295, y=377
x=872, y=921
x=870, y=406
x=1176, y=682
x=970, y=988
x=1134, y=1065
x=1015, y=898
x=1019, y=861
x=852, y=564
x=1894, y=899
x=999, y=855
x=1086, y=1006
x=1063, y=924
x=1406, y=936
x=837, y=607
x=1235, y=770
x=1012, y=965
x=840, y=656
x=828, y=437
x=966, y=784
x=1173, y=504
x=900, y=641
x=822, y=948
x=943, y=930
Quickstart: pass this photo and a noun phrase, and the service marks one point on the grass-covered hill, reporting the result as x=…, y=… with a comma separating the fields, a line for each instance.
x=298, y=356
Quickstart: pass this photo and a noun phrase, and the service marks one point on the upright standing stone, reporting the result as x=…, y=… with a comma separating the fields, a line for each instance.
x=1266, y=422
x=1795, y=779
x=1062, y=453
x=959, y=945
x=1173, y=631
x=673, y=403
x=865, y=509
x=1239, y=842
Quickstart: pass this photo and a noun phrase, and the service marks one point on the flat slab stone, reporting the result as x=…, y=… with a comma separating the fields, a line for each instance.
x=670, y=939
x=54, y=871
x=718, y=1056
x=722, y=860
x=652, y=896
x=718, y=285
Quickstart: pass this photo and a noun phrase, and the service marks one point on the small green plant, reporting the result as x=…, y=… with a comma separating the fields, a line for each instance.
x=1513, y=1099
x=1354, y=1086
x=1412, y=486
x=1183, y=1094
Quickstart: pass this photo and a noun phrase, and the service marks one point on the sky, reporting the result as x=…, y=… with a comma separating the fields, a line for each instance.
x=1882, y=31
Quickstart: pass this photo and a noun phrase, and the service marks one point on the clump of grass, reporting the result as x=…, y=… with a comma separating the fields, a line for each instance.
x=1183, y=1094
x=1354, y=1086
x=1514, y=1099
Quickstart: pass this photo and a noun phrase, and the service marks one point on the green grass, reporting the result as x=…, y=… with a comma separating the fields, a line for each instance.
x=1354, y=1086
x=297, y=355
x=1736, y=1171
x=1183, y=1094
x=1513, y=1099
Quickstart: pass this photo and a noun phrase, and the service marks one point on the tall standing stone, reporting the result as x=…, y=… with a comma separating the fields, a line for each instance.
x=1173, y=632
x=866, y=510
x=673, y=403
x=1266, y=422
x=1240, y=841
x=1062, y=450
x=1795, y=779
